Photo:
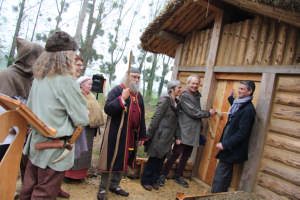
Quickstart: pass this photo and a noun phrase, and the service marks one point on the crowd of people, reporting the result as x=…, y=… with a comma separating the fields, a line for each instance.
x=49, y=81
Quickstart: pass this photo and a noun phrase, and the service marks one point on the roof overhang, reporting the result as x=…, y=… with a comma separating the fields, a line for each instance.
x=181, y=17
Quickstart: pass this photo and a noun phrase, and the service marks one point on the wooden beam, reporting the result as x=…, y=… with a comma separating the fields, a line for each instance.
x=205, y=22
x=176, y=61
x=237, y=77
x=209, y=6
x=283, y=69
x=192, y=69
x=214, y=42
x=289, y=69
x=259, y=132
x=266, y=10
x=209, y=77
x=170, y=36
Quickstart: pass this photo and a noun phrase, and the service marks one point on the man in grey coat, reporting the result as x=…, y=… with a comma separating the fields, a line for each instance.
x=189, y=119
x=161, y=135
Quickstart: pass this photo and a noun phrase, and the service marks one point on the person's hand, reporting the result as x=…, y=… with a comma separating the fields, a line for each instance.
x=125, y=93
x=178, y=141
x=231, y=92
x=219, y=146
x=140, y=143
x=212, y=112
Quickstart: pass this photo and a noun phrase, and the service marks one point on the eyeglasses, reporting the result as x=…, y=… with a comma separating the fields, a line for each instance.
x=135, y=77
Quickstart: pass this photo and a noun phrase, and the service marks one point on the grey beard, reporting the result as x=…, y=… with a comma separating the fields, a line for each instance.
x=134, y=87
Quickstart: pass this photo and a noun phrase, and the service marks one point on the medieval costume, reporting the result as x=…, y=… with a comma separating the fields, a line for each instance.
x=125, y=126
x=56, y=99
x=84, y=144
x=16, y=80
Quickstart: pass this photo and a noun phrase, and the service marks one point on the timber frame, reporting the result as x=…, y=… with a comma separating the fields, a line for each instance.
x=263, y=44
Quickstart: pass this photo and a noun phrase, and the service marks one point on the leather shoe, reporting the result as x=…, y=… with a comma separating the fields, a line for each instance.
x=155, y=186
x=119, y=191
x=162, y=180
x=147, y=187
x=101, y=195
x=181, y=182
x=63, y=194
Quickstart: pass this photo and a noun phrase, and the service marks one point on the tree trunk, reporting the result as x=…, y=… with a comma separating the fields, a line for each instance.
x=151, y=78
x=163, y=75
x=18, y=26
x=1, y=5
x=143, y=58
x=80, y=21
x=117, y=54
x=60, y=11
x=36, y=20
x=86, y=48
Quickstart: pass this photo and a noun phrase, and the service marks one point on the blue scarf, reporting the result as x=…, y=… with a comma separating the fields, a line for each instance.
x=237, y=103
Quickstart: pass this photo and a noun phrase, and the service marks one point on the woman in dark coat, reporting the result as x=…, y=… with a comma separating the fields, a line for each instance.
x=161, y=134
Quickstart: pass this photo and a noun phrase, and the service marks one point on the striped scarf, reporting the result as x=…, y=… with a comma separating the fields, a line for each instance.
x=237, y=103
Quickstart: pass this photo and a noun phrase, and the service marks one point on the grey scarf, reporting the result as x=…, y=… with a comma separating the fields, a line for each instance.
x=237, y=103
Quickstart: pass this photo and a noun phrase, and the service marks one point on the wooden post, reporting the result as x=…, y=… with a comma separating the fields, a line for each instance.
x=178, y=56
x=210, y=62
x=259, y=132
x=209, y=78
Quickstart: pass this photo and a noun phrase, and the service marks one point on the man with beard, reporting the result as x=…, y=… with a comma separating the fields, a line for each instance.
x=125, y=126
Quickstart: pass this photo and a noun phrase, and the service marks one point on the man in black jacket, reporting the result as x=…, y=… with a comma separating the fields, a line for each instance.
x=233, y=146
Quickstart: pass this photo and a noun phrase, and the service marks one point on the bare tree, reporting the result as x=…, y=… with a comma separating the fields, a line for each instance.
x=149, y=74
x=81, y=18
x=116, y=50
x=165, y=63
x=1, y=5
x=16, y=34
x=88, y=53
x=36, y=19
x=151, y=78
x=60, y=8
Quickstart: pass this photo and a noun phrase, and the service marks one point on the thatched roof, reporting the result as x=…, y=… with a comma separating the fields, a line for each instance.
x=181, y=17
x=289, y=5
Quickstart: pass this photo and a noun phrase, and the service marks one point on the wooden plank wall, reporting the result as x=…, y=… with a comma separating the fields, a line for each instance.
x=279, y=173
x=195, y=48
x=259, y=41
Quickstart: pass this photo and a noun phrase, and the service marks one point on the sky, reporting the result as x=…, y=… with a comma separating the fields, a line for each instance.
x=8, y=19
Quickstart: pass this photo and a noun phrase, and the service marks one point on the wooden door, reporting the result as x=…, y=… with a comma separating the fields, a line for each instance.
x=225, y=84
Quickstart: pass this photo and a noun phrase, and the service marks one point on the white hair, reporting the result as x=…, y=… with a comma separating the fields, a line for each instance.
x=190, y=77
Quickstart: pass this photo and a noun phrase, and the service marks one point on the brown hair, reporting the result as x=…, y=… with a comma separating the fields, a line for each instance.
x=78, y=57
x=54, y=63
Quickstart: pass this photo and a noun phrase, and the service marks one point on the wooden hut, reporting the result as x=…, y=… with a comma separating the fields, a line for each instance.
x=226, y=41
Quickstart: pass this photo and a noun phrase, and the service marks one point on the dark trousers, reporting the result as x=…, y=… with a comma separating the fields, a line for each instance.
x=185, y=151
x=40, y=184
x=113, y=183
x=152, y=170
x=223, y=176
